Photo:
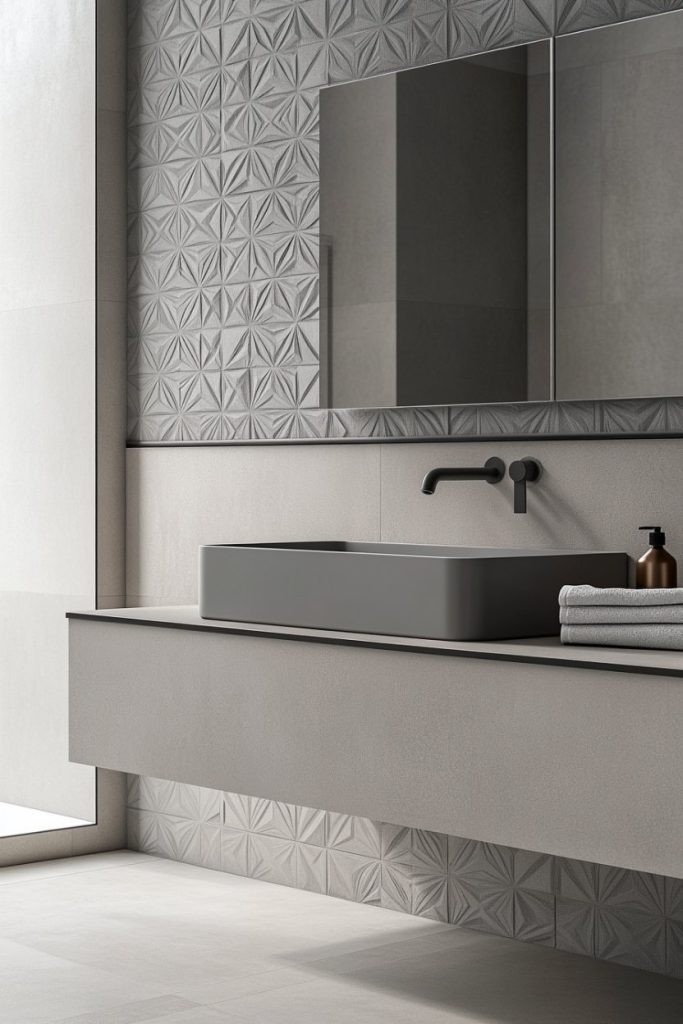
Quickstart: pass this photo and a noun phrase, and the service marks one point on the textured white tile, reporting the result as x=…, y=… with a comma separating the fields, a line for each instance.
x=178, y=838
x=210, y=847
x=311, y=868
x=311, y=826
x=234, y=851
x=271, y=818
x=236, y=811
x=351, y=876
x=272, y=859
x=353, y=834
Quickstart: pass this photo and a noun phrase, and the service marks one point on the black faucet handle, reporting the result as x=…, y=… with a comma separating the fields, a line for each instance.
x=523, y=472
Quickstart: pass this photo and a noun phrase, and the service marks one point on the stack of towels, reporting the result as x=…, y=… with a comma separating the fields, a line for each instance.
x=618, y=617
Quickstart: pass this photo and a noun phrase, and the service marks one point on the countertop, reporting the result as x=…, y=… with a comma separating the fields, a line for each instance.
x=533, y=650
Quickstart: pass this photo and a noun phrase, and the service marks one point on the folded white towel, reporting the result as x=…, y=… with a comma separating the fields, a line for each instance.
x=666, y=637
x=612, y=615
x=571, y=596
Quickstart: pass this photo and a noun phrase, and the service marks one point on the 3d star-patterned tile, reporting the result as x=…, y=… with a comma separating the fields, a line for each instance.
x=185, y=136
x=273, y=28
x=414, y=876
x=236, y=811
x=271, y=119
x=612, y=913
x=280, y=301
x=351, y=876
x=178, y=76
x=501, y=890
x=234, y=851
x=269, y=346
x=272, y=859
x=275, y=74
x=484, y=24
x=348, y=16
x=152, y=20
x=353, y=834
x=388, y=46
x=311, y=826
x=271, y=165
x=311, y=868
x=177, y=184
x=573, y=15
x=272, y=818
x=188, y=350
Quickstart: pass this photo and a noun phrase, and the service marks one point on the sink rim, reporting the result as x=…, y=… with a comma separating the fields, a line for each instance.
x=392, y=549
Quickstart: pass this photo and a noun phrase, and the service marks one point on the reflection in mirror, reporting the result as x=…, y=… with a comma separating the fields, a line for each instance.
x=619, y=209
x=435, y=234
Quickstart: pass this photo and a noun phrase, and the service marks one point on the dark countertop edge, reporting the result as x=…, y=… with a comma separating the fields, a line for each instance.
x=384, y=645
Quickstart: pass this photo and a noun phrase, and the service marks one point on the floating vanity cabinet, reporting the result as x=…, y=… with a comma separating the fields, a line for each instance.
x=571, y=751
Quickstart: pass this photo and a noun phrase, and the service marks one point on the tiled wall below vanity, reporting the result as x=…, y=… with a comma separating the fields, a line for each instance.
x=610, y=913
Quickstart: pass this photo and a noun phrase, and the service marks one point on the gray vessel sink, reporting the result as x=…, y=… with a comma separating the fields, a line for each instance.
x=419, y=590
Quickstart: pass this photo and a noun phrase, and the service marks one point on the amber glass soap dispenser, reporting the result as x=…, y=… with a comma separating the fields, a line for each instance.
x=657, y=568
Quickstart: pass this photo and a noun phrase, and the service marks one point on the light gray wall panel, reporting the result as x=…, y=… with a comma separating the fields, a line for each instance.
x=592, y=495
x=180, y=498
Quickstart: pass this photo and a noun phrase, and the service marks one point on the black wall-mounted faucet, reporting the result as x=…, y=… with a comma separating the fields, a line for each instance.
x=492, y=471
x=523, y=472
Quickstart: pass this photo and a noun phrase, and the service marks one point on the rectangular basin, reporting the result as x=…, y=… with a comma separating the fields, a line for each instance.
x=419, y=590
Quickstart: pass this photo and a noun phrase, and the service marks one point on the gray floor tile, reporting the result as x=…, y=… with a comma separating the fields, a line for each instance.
x=150, y=940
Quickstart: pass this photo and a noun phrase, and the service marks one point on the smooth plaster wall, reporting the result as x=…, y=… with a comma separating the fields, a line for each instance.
x=47, y=374
x=64, y=397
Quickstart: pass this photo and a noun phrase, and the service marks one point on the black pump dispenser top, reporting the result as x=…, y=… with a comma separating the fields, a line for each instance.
x=657, y=536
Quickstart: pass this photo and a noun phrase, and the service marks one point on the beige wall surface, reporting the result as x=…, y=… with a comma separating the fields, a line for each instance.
x=593, y=495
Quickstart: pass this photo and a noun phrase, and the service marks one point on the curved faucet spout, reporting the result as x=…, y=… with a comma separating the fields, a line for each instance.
x=492, y=472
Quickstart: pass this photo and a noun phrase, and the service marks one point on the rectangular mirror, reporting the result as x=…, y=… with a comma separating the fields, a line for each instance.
x=619, y=210
x=435, y=225
x=494, y=231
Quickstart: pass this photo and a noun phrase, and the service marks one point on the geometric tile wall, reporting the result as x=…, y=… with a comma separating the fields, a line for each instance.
x=610, y=913
x=223, y=208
